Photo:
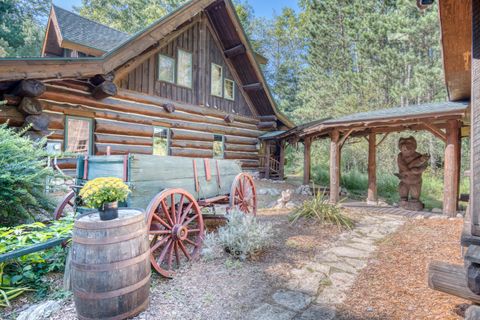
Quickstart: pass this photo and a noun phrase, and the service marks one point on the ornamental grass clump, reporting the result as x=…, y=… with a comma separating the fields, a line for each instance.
x=23, y=174
x=319, y=209
x=95, y=193
x=243, y=235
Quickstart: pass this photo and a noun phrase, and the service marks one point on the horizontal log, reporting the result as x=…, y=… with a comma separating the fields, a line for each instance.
x=256, y=86
x=30, y=106
x=37, y=122
x=267, y=125
x=177, y=134
x=241, y=147
x=11, y=115
x=240, y=155
x=104, y=90
x=67, y=163
x=57, y=134
x=29, y=88
x=240, y=140
x=192, y=144
x=36, y=135
x=123, y=128
x=121, y=139
x=101, y=149
x=56, y=121
x=451, y=279
x=250, y=163
x=235, y=51
x=193, y=153
x=12, y=100
x=267, y=118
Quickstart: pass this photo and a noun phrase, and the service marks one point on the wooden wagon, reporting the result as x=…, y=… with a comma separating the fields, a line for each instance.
x=174, y=191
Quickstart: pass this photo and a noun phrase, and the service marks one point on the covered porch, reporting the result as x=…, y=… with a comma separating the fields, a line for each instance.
x=448, y=121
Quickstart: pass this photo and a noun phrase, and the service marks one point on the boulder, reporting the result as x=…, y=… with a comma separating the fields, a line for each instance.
x=40, y=311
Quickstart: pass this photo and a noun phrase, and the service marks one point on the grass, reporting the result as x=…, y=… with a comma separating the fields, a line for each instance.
x=387, y=185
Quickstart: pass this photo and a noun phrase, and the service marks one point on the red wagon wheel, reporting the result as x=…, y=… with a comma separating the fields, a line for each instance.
x=66, y=205
x=175, y=225
x=243, y=195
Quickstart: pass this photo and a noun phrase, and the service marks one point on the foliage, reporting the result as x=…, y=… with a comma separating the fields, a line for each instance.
x=26, y=273
x=23, y=174
x=319, y=209
x=98, y=191
x=241, y=237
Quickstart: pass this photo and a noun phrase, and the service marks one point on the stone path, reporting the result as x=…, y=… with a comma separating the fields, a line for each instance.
x=313, y=290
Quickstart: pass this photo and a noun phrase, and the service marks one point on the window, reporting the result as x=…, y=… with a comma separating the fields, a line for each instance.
x=78, y=135
x=218, y=146
x=161, y=138
x=166, y=68
x=229, y=89
x=184, y=71
x=216, y=81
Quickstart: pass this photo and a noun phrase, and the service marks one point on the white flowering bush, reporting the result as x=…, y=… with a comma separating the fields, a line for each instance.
x=241, y=237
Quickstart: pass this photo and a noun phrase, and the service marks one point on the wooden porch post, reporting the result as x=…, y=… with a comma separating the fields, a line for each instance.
x=372, y=169
x=450, y=194
x=282, y=160
x=267, y=159
x=334, y=166
x=306, y=160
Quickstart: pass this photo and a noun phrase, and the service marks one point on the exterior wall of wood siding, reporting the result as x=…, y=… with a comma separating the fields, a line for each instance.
x=205, y=51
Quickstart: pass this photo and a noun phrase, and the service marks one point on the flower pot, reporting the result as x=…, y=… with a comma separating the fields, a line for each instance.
x=108, y=211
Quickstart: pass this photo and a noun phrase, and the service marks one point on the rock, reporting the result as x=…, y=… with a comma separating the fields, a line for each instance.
x=269, y=312
x=460, y=216
x=439, y=217
x=292, y=300
x=268, y=191
x=349, y=252
x=291, y=205
x=262, y=192
x=472, y=313
x=420, y=217
x=304, y=190
x=39, y=311
x=331, y=295
x=318, y=312
x=437, y=210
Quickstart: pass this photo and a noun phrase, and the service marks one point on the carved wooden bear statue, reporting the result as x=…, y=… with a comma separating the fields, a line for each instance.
x=411, y=165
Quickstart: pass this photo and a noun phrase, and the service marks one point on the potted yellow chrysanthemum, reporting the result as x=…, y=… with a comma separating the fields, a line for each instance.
x=104, y=194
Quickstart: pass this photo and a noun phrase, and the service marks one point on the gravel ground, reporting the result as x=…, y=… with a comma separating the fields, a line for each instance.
x=394, y=284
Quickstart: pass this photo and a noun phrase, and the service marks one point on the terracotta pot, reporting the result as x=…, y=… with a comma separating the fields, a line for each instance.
x=108, y=211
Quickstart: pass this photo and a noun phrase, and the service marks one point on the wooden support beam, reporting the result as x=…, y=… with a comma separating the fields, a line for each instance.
x=267, y=125
x=436, y=132
x=307, y=160
x=383, y=139
x=267, y=118
x=335, y=166
x=372, y=169
x=282, y=160
x=450, y=195
x=253, y=87
x=345, y=137
x=235, y=51
x=267, y=159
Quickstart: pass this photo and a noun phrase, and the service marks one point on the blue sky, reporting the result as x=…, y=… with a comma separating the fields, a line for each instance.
x=263, y=8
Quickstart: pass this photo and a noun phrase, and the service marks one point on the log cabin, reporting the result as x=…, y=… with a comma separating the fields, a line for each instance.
x=187, y=85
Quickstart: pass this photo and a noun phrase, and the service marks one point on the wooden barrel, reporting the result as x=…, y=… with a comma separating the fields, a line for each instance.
x=110, y=266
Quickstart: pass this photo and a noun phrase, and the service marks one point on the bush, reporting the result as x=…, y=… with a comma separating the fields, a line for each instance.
x=23, y=174
x=319, y=209
x=242, y=236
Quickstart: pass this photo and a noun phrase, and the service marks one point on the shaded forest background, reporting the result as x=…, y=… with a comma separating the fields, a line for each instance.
x=329, y=59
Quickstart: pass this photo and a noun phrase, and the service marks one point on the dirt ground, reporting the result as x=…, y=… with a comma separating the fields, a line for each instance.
x=394, y=283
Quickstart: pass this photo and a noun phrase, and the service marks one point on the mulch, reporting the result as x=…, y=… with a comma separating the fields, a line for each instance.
x=394, y=284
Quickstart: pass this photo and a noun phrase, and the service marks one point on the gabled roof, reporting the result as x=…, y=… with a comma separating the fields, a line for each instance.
x=85, y=32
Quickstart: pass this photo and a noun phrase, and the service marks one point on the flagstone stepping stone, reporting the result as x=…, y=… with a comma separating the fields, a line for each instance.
x=318, y=312
x=342, y=266
x=349, y=252
x=292, y=300
x=268, y=312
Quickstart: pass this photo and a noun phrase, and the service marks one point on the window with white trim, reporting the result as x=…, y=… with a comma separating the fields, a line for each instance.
x=184, y=68
x=218, y=146
x=78, y=135
x=166, y=68
x=229, y=89
x=161, y=140
x=216, y=87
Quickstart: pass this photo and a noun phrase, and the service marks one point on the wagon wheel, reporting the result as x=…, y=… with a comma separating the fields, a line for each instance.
x=175, y=225
x=243, y=195
x=66, y=205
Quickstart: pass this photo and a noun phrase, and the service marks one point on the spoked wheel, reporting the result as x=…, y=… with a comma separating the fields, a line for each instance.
x=65, y=206
x=175, y=225
x=243, y=195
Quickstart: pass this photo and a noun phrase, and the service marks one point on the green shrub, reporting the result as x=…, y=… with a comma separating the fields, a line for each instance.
x=319, y=209
x=241, y=237
x=23, y=173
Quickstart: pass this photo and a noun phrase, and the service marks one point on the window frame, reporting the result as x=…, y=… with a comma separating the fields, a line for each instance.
x=171, y=59
x=168, y=140
x=225, y=80
x=221, y=80
x=222, y=156
x=90, y=134
x=178, y=68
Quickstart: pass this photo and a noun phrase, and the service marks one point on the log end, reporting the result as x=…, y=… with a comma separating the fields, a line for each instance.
x=169, y=107
x=229, y=118
x=104, y=90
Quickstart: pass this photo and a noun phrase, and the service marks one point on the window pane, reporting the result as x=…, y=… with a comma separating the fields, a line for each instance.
x=216, y=80
x=166, y=68
x=218, y=146
x=78, y=135
x=229, y=89
x=160, y=141
x=184, y=74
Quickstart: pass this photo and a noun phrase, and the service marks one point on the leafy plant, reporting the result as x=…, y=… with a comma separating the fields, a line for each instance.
x=98, y=191
x=243, y=235
x=318, y=208
x=23, y=173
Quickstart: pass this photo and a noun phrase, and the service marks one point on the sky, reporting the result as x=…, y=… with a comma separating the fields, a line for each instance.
x=262, y=8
